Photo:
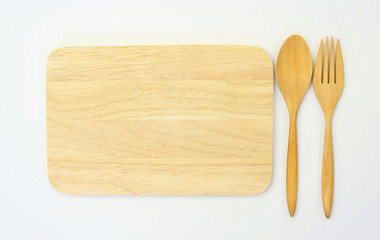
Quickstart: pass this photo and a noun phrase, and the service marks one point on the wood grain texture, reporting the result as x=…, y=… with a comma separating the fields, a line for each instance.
x=328, y=84
x=293, y=71
x=170, y=120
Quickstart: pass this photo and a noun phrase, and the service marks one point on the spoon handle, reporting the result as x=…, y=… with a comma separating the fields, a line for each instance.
x=327, y=169
x=292, y=166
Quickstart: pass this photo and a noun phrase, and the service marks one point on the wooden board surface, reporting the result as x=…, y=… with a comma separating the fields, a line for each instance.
x=160, y=120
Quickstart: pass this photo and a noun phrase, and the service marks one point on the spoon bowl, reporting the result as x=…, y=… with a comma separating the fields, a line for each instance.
x=294, y=69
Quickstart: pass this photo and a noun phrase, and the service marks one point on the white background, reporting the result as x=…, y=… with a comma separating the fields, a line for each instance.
x=31, y=209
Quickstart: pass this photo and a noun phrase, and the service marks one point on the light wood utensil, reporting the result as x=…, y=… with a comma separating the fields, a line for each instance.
x=328, y=84
x=294, y=71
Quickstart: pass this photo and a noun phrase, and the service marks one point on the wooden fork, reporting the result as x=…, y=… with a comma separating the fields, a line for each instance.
x=328, y=85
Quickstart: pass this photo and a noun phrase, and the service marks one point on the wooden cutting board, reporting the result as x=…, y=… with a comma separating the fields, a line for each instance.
x=168, y=120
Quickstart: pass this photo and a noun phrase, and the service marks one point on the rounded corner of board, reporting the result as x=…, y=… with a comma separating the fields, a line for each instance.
x=267, y=185
x=266, y=58
x=56, y=51
x=266, y=54
x=56, y=186
x=262, y=190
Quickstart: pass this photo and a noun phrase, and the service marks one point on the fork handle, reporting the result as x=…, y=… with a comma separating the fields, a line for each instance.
x=292, y=165
x=327, y=169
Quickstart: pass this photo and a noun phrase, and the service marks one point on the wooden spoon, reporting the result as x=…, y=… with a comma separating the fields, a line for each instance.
x=293, y=71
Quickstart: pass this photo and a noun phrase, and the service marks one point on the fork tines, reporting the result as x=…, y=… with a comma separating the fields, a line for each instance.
x=329, y=72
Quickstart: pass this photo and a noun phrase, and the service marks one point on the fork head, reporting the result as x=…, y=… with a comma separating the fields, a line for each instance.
x=328, y=79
